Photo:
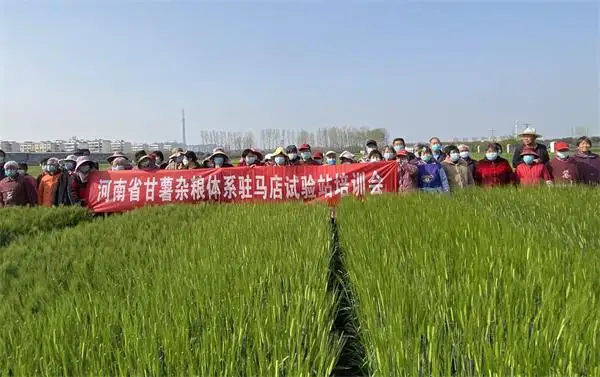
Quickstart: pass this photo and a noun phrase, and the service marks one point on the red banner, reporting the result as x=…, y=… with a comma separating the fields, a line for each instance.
x=118, y=191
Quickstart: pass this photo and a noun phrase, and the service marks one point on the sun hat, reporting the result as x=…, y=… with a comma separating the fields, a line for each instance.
x=329, y=153
x=530, y=131
x=347, y=155
x=561, y=146
x=115, y=155
x=279, y=151
x=71, y=158
x=529, y=151
x=318, y=155
x=304, y=147
x=291, y=149
x=83, y=160
x=258, y=154
x=268, y=157
x=9, y=164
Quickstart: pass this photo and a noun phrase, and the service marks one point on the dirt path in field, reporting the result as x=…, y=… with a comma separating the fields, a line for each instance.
x=351, y=361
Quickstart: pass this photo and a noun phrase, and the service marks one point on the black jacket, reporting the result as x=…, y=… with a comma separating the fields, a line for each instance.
x=540, y=149
x=63, y=190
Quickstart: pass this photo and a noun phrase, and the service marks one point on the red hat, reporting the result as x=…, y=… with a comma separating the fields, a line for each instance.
x=304, y=146
x=318, y=155
x=402, y=153
x=530, y=151
x=561, y=146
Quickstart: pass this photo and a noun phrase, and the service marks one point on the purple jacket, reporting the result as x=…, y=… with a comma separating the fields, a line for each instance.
x=563, y=171
x=406, y=176
x=588, y=165
x=432, y=177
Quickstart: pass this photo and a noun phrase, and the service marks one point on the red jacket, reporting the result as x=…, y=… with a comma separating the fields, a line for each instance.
x=532, y=174
x=493, y=173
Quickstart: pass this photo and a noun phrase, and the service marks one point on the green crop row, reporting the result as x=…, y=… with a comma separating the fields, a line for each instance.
x=19, y=221
x=194, y=290
x=495, y=283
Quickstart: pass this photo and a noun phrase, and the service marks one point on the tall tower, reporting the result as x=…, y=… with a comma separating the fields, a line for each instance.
x=183, y=127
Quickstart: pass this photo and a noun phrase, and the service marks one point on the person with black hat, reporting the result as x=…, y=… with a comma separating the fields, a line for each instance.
x=251, y=157
x=371, y=145
x=293, y=156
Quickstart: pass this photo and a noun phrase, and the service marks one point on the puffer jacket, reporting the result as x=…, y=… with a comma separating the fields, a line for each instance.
x=458, y=173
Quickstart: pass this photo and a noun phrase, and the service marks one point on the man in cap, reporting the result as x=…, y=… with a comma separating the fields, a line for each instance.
x=293, y=156
x=563, y=168
x=15, y=189
x=529, y=138
x=371, y=145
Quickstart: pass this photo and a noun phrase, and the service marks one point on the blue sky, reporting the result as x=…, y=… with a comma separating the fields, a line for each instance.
x=123, y=69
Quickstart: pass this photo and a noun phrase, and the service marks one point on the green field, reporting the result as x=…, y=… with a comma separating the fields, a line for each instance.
x=494, y=283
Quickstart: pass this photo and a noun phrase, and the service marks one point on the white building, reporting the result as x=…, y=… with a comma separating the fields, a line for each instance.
x=120, y=146
x=45, y=146
x=140, y=146
x=100, y=146
x=72, y=145
x=10, y=146
x=27, y=147
x=156, y=147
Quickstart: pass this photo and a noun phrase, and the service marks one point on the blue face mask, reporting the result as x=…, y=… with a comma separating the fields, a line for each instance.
x=318, y=161
x=388, y=156
x=491, y=156
x=219, y=161
x=436, y=147
x=399, y=148
x=454, y=156
x=331, y=161
x=52, y=168
x=250, y=160
x=279, y=160
x=528, y=159
x=426, y=157
x=306, y=156
x=562, y=155
x=69, y=165
x=464, y=154
x=10, y=173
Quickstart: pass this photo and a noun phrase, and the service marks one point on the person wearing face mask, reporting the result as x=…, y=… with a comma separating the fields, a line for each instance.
x=190, y=160
x=113, y=157
x=456, y=169
x=268, y=159
x=407, y=170
x=63, y=190
x=120, y=164
x=159, y=159
x=431, y=176
x=532, y=171
x=69, y=164
x=219, y=159
x=83, y=168
x=16, y=189
x=388, y=153
x=436, y=147
x=147, y=162
x=44, y=167
x=399, y=145
x=563, y=167
x=493, y=170
x=2, y=158
x=375, y=156
x=251, y=157
x=330, y=158
x=347, y=158
x=529, y=138
x=49, y=184
x=588, y=163
x=465, y=154
x=306, y=155
x=280, y=157
x=371, y=145
x=293, y=155
x=318, y=158
x=176, y=160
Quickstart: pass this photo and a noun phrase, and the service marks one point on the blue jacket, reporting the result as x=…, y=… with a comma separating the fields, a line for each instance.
x=431, y=177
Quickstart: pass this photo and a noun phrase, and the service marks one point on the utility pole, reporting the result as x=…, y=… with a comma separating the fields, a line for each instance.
x=493, y=131
x=183, y=127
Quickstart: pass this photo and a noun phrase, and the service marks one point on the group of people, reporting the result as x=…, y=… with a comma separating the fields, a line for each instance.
x=430, y=168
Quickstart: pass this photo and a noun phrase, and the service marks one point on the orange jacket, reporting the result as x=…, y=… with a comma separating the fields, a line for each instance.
x=47, y=189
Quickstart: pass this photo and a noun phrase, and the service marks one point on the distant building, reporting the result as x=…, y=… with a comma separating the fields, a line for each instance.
x=140, y=146
x=120, y=146
x=10, y=146
x=45, y=146
x=27, y=147
x=156, y=147
x=100, y=146
x=71, y=145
